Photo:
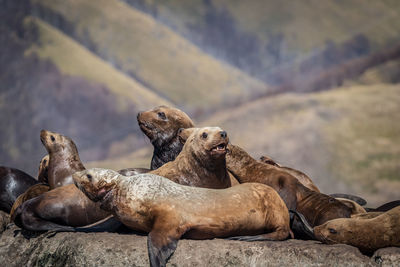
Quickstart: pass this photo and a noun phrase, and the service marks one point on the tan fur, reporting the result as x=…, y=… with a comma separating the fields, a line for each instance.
x=199, y=164
x=366, y=234
x=141, y=200
x=354, y=206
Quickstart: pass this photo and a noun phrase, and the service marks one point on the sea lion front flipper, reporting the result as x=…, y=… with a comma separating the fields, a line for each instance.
x=357, y=199
x=160, y=248
x=108, y=224
x=301, y=226
x=163, y=239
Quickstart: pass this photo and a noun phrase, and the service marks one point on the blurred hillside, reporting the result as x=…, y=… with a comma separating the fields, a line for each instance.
x=259, y=69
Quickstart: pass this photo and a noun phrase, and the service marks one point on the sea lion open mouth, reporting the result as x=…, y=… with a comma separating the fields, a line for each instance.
x=220, y=148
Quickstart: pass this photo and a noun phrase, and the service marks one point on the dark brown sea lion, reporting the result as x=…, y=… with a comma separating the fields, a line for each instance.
x=13, y=183
x=60, y=209
x=302, y=177
x=317, y=208
x=161, y=126
x=43, y=176
x=64, y=158
x=63, y=207
x=168, y=211
x=201, y=162
x=366, y=234
x=31, y=192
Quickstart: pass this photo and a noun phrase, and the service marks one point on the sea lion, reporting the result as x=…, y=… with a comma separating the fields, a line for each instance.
x=43, y=176
x=161, y=125
x=64, y=158
x=385, y=207
x=63, y=207
x=366, y=234
x=168, y=211
x=133, y=171
x=13, y=182
x=302, y=177
x=354, y=206
x=59, y=209
x=201, y=162
x=316, y=207
x=31, y=192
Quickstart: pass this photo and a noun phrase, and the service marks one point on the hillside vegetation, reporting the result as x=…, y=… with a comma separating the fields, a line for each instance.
x=143, y=48
x=346, y=139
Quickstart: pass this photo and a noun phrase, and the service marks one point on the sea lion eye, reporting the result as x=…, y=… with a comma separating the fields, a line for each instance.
x=332, y=231
x=52, y=138
x=89, y=177
x=204, y=135
x=161, y=115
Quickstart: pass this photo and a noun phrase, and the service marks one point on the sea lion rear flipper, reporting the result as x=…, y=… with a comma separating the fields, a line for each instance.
x=160, y=248
x=273, y=236
x=388, y=206
x=357, y=199
x=301, y=226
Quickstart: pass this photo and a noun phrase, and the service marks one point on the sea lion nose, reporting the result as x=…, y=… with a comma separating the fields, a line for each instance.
x=138, y=115
x=223, y=134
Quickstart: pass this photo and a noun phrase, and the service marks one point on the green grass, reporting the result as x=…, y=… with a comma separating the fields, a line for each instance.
x=73, y=59
x=165, y=61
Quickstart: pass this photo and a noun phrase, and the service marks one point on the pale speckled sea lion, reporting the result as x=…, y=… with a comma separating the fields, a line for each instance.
x=64, y=158
x=168, y=211
x=201, y=162
x=366, y=234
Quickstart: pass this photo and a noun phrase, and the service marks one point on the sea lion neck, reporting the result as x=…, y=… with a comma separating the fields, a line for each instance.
x=236, y=158
x=165, y=153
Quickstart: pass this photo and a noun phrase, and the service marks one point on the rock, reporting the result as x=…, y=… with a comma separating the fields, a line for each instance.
x=113, y=249
x=387, y=256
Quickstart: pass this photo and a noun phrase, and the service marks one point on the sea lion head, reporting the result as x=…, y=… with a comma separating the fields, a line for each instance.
x=96, y=182
x=207, y=143
x=44, y=169
x=334, y=231
x=162, y=123
x=55, y=142
x=269, y=161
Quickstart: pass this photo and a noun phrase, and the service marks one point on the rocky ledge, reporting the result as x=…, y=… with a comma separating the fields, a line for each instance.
x=112, y=249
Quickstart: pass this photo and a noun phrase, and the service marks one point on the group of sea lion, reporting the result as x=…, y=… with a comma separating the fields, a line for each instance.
x=199, y=186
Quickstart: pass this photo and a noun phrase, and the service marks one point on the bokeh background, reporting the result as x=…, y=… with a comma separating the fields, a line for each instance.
x=312, y=84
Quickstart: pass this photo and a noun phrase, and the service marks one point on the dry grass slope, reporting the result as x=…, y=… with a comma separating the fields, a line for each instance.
x=346, y=139
x=73, y=59
x=157, y=56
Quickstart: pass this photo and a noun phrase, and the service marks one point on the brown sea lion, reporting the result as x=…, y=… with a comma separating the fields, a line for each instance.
x=168, y=211
x=302, y=177
x=13, y=182
x=354, y=206
x=161, y=126
x=31, y=192
x=43, y=176
x=63, y=207
x=60, y=209
x=317, y=208
x=201, y=162
x=64, y=158
x=366, y=234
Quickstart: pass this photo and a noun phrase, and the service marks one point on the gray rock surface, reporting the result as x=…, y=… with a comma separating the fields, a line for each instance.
x=112, y=249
